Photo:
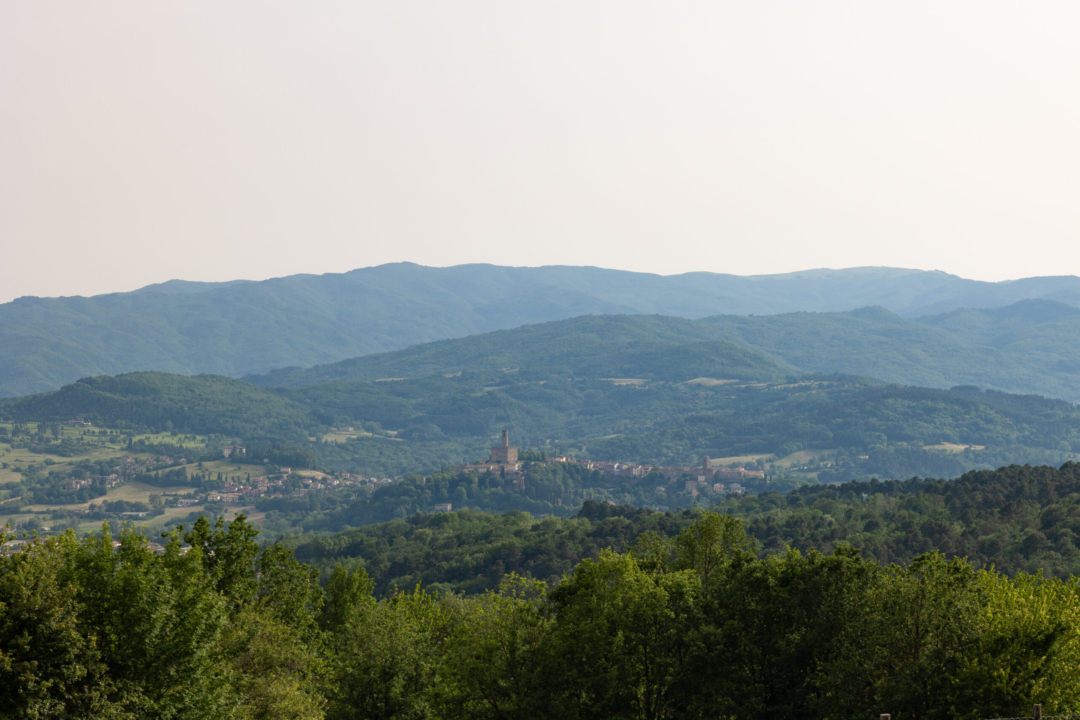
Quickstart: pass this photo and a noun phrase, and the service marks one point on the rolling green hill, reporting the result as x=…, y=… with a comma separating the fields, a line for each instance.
x=243, y=328
x=623, y=346
x=1030, y=347
x=201, y=404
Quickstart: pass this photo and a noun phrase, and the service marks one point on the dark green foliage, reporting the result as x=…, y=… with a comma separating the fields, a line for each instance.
x=683, y=618
x=48, y=666
x=472, y=552
x=227, y=554
x=143, y=608
x=159, y=401
x=1017, y=519
x=99, y=628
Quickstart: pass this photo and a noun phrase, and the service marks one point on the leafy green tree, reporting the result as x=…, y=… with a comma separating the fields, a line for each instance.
x=386, y=657
x=620, y=637
x=711, y=546
x=274, y=673
x=156, y=622
x=1028, y=651
x=289, y=589
x=49, y=665
x=228, y=555
x=498, y=663
x=346, y=594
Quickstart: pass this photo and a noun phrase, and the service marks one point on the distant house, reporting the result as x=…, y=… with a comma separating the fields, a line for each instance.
x=222, y=497
x=230, y=450
x=444, y=507
x=186, y=502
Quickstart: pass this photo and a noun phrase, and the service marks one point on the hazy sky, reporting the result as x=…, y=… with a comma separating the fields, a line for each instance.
x=142, y=141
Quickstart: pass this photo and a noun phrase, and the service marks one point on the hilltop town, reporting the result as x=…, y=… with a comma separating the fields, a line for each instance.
x=504, y=461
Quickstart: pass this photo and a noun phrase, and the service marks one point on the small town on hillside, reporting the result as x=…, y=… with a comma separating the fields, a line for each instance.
x=504, y=461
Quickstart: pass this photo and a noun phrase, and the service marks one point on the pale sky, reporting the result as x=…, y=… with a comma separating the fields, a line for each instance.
x=142, y=141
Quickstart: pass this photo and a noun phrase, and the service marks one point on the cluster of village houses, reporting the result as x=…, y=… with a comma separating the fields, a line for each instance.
x=126, y=467
x=272, y=487
x=233, y=489
x=504, y=461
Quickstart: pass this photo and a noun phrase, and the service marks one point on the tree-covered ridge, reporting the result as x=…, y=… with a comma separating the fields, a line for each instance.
x=688, y=625
x=593, y=346
x=1015, y=519
x=879, y=430
x=1026, y=348
x=152, y=400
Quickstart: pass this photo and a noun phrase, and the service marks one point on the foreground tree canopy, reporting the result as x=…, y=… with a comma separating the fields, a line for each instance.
x=694, y=626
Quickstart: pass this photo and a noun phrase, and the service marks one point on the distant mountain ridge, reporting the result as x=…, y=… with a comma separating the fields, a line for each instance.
x=242, y=327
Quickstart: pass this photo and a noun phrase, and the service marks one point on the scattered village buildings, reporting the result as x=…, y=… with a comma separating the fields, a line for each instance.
x=504, y=461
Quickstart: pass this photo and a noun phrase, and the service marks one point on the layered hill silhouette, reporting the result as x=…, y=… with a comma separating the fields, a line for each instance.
x=1028, y=347
x=242, y=328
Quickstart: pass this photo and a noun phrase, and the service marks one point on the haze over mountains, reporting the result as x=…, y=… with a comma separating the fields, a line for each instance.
x=916, y=334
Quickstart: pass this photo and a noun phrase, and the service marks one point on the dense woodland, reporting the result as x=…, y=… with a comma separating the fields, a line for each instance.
x=694, y=626
x=1016, y=519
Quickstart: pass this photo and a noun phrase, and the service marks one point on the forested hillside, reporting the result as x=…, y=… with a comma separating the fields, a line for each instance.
x=164, y=402
x=1015, y=519
x=243, y=328
x=1028, y=348
x=619, y=346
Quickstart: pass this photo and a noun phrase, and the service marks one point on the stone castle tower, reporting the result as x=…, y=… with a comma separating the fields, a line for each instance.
x=504, y=453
